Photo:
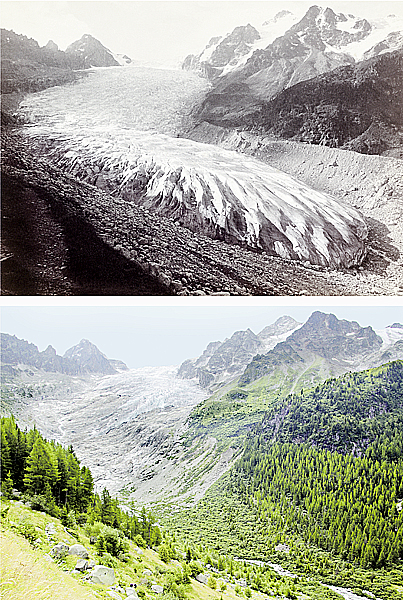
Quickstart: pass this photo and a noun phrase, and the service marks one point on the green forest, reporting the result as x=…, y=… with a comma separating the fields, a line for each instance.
x=322, y=477
x=50, y=479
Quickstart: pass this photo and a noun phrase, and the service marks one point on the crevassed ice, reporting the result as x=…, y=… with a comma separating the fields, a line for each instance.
x=123, y=121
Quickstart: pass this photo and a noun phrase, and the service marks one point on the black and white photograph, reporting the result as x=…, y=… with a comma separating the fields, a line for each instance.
x=202, y=148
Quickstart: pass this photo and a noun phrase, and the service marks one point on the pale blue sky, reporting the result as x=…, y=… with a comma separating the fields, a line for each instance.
x=159, y=31
x=165, y=335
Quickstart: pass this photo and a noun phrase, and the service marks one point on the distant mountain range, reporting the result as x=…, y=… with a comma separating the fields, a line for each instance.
x=82, y=359
x=330, y=79
x=27, y=67
x=146, y=419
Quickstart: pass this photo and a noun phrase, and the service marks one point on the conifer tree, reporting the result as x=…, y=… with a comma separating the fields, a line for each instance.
x=41, y=471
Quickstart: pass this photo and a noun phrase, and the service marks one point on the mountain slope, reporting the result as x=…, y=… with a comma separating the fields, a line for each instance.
x=27, y=67
x=323, y=347
x=89, y=52
x=222, y=361
x=306, y=85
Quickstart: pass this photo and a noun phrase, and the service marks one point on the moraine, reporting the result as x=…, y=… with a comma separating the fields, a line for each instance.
x=120, y=129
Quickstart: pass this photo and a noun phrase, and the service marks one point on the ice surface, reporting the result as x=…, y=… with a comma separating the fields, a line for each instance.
x=124, y=122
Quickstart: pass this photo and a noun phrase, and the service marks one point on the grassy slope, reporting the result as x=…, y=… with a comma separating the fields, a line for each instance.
x=227, y=416
x=26, y=572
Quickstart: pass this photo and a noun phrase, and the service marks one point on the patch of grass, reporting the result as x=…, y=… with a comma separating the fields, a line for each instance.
x=25, y=573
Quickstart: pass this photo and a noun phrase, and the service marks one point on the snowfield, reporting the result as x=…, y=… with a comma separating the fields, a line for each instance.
x=117, y=129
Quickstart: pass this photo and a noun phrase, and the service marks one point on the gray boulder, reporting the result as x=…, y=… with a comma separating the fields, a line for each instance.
x=81, y=565
x=201, y=578
x=157, y=589
x=131, y=592
x=147, y=573
x=78, y=550
x=59, y=551
x=103, y=575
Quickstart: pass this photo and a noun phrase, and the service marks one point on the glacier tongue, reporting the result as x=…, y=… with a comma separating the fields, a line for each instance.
x=210, y=190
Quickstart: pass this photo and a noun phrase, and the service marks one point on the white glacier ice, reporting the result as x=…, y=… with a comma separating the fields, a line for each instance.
x=117, y=128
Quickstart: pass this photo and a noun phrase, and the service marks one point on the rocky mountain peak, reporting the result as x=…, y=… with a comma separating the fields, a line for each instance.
x=396, y=326
x=50, y=351
x=81, y=359
x=281, y=326
x=89, y=52
x=334, y=338
x=280, y=15
x=336, y=344
x=52, y=46
x=90, y=359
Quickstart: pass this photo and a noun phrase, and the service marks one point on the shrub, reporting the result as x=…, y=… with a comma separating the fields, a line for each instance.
x=28, y=531
x=111, y=541
x=212, y=582
x=139, y=541
x=195, y=568
x=108, y=560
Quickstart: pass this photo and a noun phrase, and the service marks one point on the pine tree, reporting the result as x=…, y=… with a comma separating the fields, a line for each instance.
x=41, y=472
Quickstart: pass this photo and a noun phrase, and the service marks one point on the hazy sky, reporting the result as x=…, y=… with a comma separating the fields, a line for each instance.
x=158, y=31
x=167, y=335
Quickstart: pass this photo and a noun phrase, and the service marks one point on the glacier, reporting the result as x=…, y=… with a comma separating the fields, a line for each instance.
x=126, y=142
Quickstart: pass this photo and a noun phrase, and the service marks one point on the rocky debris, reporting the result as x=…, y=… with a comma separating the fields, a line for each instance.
x=59, y=551
x=103, y=575
x=157, y=589
x=79, y=550
x=50, y=529
x=151, y=249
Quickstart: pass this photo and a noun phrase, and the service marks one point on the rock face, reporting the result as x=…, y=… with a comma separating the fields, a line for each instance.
x=340, y=343
x=223, y=361
x=89, y=52
x=80, y=360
